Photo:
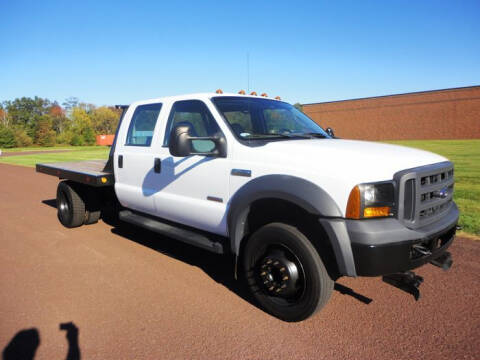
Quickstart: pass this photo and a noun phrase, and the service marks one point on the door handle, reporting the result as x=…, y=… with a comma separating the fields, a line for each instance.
x=157, y=165
x=120, y=161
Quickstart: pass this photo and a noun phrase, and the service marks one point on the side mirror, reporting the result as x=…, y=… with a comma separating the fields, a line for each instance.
x=330, y=132
x=182, y=144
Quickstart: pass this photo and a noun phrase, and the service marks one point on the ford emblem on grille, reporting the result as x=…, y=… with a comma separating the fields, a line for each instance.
x=442, y=193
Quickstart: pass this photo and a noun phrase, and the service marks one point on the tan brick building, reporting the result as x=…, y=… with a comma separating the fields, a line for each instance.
x=438, y=114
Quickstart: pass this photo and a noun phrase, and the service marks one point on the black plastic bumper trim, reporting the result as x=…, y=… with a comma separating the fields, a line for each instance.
x=372, y=260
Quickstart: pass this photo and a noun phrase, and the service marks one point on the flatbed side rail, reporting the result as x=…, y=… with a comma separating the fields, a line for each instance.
x=92, y=179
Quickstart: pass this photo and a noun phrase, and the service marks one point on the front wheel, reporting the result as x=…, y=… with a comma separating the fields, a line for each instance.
x=285, y=273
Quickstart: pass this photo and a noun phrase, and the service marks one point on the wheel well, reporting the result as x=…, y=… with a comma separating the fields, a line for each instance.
x=265, y=211
x=95, y=198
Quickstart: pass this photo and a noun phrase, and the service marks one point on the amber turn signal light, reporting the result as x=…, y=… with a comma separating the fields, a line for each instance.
x=376, y=211
x=354, y=204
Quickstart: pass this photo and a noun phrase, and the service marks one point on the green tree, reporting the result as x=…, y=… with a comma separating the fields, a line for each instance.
x=104, y=120
x=25, y=112
x=298, y=106
x=77, y=140
x=69, y=104
x=89, y=136
x=21, y=138
x=60, y=122
x=82, y=126
x=44, y=135
x=7, y=137
x=3, y=116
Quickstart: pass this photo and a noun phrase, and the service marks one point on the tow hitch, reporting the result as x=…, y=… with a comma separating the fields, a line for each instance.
x=444, y=261
x=407, y=281
x=410, y=282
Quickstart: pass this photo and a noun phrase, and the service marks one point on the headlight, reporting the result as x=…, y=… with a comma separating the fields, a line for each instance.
x=371, y=200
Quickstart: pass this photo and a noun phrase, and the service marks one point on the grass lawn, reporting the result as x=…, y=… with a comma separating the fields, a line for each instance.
x=56, y=147
x=465, y=154
x=77, y=153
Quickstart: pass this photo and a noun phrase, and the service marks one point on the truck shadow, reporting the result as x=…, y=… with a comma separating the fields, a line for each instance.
x=219, y=267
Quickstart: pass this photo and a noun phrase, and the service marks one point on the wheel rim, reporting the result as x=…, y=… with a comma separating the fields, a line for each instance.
x=64, y=208
x=280, y=274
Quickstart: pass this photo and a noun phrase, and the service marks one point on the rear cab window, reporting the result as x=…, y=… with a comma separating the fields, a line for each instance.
x=142, y=125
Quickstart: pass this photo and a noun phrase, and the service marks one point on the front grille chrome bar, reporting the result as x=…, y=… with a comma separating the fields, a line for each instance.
x=424, y=193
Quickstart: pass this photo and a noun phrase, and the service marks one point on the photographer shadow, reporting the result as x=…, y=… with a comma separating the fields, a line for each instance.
x=25, y=343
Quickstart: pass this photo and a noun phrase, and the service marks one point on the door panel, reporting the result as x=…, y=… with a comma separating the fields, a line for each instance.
x=193, y=190
x=134, y=183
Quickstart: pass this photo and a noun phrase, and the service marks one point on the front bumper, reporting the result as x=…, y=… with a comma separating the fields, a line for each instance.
x=386, y=246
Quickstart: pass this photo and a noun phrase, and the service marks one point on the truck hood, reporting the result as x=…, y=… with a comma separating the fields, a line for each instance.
x=335, y=165
x=363, y=160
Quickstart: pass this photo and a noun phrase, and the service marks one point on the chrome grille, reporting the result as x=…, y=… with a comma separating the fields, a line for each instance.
x=424, y=193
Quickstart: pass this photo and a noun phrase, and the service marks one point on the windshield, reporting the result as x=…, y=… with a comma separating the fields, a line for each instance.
x=252, y=118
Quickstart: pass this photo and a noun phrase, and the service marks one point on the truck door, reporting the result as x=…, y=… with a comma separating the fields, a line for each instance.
x=193, y=190
x=135, y=159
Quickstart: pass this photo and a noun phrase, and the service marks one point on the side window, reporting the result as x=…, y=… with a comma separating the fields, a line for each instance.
x=194, y=113
x=140, y=131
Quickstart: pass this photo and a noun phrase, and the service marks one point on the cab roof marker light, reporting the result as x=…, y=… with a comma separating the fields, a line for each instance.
x=253, y=93
x=242, y=92
x=278, y=98
x=264, y=95
x=219, y=91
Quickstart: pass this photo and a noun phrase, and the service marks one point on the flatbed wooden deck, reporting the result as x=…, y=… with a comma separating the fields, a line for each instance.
x=90, y=172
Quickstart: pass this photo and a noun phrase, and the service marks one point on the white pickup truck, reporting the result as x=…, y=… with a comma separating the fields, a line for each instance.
x=255, y=178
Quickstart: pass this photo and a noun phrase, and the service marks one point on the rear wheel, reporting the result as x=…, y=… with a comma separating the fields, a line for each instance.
x=285, y=272
x=70, y=206
x=92, y=204
x=92, y=217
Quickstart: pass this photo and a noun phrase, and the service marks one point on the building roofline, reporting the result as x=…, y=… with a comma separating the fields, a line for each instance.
x=391, y=95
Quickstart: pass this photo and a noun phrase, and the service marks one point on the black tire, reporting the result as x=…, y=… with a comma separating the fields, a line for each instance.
x=90, y=197
x=70, y=206
x=92, y=216
x=285, y=272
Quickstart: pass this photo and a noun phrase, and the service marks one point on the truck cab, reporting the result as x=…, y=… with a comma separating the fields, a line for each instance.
x=256, y=178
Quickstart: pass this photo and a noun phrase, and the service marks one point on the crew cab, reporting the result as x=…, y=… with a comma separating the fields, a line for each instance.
x=256, y=179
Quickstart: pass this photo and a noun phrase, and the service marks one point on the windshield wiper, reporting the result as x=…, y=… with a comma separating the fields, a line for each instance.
x=316, y=135
x=286, y=136
x=283, y=136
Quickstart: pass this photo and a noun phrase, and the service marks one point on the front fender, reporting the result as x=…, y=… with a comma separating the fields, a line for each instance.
x=299, y=191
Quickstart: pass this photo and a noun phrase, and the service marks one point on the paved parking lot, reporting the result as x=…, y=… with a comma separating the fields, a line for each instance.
x=135, y=295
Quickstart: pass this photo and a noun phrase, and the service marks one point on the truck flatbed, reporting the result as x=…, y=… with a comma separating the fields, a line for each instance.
x=90, y=172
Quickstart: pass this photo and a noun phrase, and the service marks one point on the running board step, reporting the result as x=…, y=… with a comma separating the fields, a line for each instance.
x=176, y=232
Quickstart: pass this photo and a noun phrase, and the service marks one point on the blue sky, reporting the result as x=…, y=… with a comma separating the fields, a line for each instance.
x=118, y=52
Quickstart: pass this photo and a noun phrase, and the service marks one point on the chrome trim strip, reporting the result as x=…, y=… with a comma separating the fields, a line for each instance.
x=213, y=198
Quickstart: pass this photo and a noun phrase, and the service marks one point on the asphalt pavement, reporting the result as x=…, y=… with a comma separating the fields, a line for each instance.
x=99, y=292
